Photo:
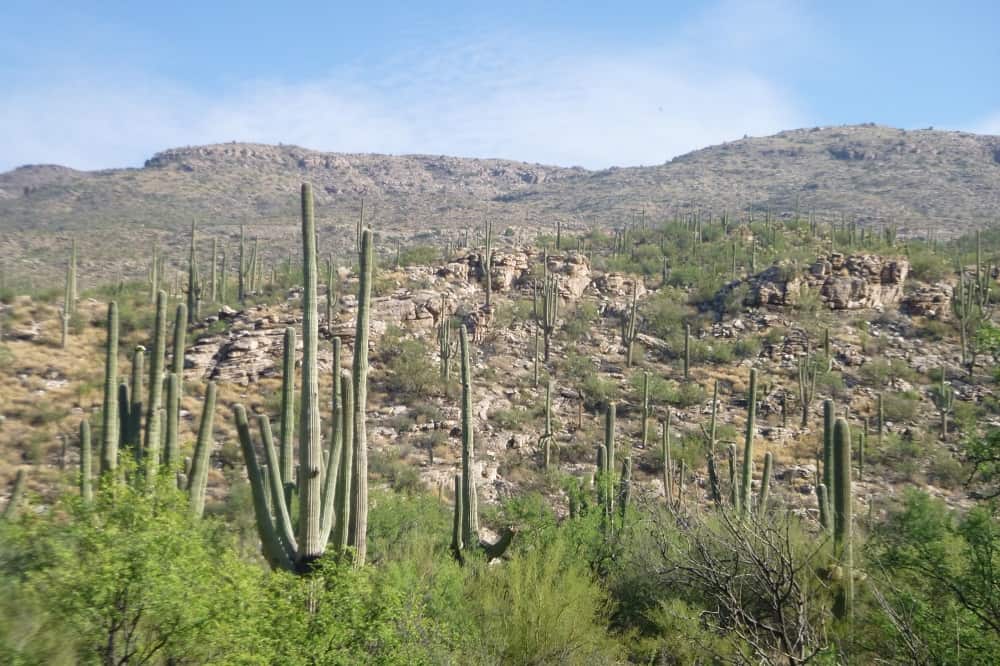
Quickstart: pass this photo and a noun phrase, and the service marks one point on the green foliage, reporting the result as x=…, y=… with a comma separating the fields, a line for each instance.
x=940, y=602
x=410, y=372
x=420, y=255
x=132, y=574
x=579, y=320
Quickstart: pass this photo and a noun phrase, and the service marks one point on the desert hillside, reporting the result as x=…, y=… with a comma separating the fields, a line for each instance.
x=923, y=181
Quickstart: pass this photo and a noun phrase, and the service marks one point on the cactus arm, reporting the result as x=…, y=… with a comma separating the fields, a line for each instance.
x=331, y=470
x=198, y=477
x=342, y=494
x=456, y=525
x=765, y=483
x=275, y=551
x=287, y=433
x=285, y=529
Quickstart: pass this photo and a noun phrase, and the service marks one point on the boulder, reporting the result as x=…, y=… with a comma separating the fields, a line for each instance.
x=932, y=301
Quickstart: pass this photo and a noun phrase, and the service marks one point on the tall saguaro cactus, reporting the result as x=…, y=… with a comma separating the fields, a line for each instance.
x=843, y=510
x=151, y=449
x=334, y=494
x=470, y=502
x=310, y=453
x=109, y=431
x=359, y=482
x=748, y=443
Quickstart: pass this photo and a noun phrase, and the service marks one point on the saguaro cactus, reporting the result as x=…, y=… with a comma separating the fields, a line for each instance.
x=545, y=441
x=828, y=423
x=734, y=489
x=944, y=400
x=109, y=424
x=133, y=436
x=310, y=453
x=765, y=483
x=470, y=503
x=487, y=261
x=550, y=310
x=336, y=488
x=445, y=349
x=668, y=486
x=172, y=452
x=86, y=464
x=687, y=351
x=194, y=280
x=359, y=490
x=823, y=500
x=456, y=528
x=843, y=511
x=807, y=371
x=630, y=327
x=748, y=443
x=151, y=452
x=713, y=472
x=198, y=478
x=286, y=457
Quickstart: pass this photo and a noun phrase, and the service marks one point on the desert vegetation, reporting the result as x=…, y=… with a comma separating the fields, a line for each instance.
x=743, y=436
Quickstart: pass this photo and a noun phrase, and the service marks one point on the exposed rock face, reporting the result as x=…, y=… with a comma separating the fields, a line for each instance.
x=931, y=301
x=513, y=269
x=854, y=282
x=860, y=281
x=618, y=284
x=574, y=274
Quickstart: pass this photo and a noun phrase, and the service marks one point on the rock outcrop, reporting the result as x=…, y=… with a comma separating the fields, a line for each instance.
x=932, y=301
x=852, y=282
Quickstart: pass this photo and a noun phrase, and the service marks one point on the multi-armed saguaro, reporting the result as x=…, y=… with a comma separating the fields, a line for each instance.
x=334, y=499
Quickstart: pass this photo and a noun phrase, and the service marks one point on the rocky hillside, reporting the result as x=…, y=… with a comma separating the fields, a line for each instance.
x=920, y=180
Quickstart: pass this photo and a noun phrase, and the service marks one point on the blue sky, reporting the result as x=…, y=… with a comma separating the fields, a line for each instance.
x=579, y=83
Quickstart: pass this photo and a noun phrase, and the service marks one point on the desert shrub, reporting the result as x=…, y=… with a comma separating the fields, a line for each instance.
x=513, y=419
x=400, y=475
x=419, y=255
x=410, y=373
x=900, y=406
x=543, y=606
x=577, y=325
x=748, y=346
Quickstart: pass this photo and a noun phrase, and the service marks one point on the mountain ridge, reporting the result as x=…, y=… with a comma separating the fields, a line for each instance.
x=922, y=181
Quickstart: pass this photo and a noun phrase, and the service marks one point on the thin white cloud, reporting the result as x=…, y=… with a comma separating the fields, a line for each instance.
x=487, y=99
